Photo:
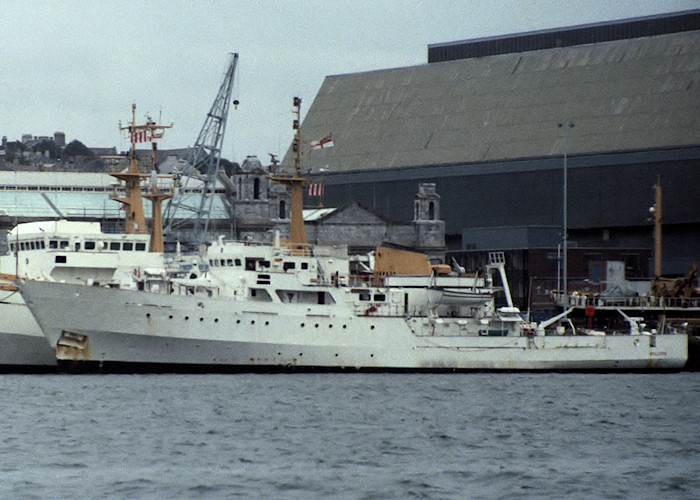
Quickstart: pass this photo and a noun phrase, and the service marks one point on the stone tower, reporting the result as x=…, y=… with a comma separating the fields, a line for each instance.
x=430, y=230
x=261, y=206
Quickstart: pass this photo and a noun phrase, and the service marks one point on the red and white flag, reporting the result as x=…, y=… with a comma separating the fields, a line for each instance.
x=140, y=136
x=326, y=142
x=315, y=189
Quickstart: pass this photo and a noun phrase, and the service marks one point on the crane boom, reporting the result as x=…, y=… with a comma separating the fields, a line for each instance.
x=202, y=171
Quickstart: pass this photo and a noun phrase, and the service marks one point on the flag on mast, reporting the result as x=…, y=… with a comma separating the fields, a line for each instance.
x=326, y=142
x=315, y=189
x=141, y=136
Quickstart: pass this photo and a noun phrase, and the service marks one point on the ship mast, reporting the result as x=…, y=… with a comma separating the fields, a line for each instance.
x=297, y=233
x=156, y=198
x=133, y=200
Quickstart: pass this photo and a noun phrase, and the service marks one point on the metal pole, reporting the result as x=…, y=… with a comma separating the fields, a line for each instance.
x=565, y=202
x=657, y=228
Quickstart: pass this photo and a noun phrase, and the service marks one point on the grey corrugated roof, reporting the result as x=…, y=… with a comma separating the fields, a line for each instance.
x=623, y=95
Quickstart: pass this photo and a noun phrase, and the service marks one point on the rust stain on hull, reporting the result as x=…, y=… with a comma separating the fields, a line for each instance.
x=73, y=346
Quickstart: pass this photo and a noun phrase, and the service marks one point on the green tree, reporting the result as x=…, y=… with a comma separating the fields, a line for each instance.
x=46, y=145
x=77, y=148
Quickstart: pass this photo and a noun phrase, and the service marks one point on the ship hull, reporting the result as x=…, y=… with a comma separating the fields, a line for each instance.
x=23, y=346
x=95, y=327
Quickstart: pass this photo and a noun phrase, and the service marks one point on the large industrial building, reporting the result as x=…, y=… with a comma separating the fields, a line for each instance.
x=495, y=123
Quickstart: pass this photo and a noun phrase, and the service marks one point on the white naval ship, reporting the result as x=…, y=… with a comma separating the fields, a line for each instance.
x=77, y=252
x=276, y=308
x=289, y=305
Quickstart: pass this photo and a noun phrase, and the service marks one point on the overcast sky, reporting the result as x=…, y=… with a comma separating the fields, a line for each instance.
x=76, y=66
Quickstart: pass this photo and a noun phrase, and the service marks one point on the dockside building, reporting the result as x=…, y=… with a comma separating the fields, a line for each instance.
x=495, y=123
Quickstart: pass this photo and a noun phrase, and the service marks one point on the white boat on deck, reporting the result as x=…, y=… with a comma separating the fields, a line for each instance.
x=66, y=252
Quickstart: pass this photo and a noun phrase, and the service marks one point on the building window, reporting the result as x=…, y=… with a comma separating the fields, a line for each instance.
x=283, y=210
x=431, y=210
x=633, y=266
x=256, y=188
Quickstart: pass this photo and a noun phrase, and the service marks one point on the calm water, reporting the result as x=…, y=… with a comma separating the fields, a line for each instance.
x=351, y=436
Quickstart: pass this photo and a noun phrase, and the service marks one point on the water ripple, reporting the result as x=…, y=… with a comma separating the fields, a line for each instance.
x=350, y=436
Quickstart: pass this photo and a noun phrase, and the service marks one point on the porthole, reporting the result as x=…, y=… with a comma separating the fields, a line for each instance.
x=252, y=322
x=170, y=317
x=238, y=321
x=216, y=320
x=371, y=327
x=302, y=325
x=316, y=325
x=186, y=318
x=148, y=315
x=201, y=319
x=267, y=323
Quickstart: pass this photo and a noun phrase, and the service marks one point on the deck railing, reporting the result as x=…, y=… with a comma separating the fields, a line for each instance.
x=642, y=301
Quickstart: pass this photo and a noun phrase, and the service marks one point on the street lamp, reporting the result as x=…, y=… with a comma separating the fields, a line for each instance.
x=564, y=126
